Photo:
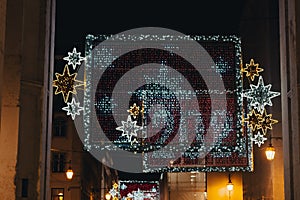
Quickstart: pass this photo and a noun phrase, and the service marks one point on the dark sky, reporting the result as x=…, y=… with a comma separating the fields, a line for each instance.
x=76, y=19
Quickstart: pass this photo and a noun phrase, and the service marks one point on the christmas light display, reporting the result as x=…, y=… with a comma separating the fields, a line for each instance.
x=73, y=108
x=254, y=120
x=140, y=190
x=232, y=150
x=129, y=128
x=136, y=190
x=252, y=70
x=66, y=83
x=266, y=122
x=260, y=95
x=74, y=58
x=134, y=110
x=258, y=138
x=156, y=113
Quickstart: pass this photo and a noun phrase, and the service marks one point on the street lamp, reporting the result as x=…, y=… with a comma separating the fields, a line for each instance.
x=69, y=173
x=229, y=184
x=270, y=152
x=60, y=196
x=107, y=196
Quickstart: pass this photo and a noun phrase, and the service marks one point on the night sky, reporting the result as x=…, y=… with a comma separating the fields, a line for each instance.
x=76, y=19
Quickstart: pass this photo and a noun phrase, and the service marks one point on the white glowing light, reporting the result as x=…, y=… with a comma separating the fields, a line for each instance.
x=73, y=108
x=74, y=58
x=259, y=139
x=260, y=95
x=129, y=128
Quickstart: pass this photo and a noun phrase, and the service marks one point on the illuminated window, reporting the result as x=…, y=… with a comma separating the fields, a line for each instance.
x=58, y=162
x=59, y=127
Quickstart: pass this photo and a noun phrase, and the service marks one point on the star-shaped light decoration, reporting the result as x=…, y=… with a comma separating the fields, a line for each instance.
x=134, y=110
x=73, y=108
x=66, y=83
x=252, y=70
x=253, y=120
x=74, y=58
x=266, y=122
x=259, y=139
x=138, y=195
x=123, y=186
x=113, y=192
x=115, y=185
x=260, y=95
x=129, y=128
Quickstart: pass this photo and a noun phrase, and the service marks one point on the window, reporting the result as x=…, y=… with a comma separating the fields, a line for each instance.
x=24, y=187
x=59, y=127
x=57, y=193
x=58, y=162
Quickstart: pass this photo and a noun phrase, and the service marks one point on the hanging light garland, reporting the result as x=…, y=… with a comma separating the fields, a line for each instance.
x=259, y=96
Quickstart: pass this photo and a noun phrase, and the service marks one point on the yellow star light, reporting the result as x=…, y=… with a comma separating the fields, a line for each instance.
x=252, y=70
x=115, y=185
x=66, y=83
x=253, y=120
x=134, y=110
x=266, y=122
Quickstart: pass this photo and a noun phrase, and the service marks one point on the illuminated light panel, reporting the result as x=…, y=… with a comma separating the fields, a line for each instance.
x=233, y=152
x=139, y=189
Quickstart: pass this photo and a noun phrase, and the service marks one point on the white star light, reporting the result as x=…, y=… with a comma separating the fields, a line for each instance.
x=74, y=58
x=259, y=139
x=123, y=187
x=260, y=95
x=73, y=108
x=138, y=195
x=113, y=192
x=129, y=128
